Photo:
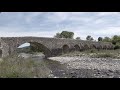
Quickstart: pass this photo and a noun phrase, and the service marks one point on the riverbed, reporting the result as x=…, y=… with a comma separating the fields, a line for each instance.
x=86, y=67
x=78, y=67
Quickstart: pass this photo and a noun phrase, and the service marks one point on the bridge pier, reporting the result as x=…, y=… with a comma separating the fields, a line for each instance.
x=5, y=51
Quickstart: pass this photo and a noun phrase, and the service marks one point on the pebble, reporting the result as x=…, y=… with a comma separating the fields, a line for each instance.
x=51, y=75
x=56, y=77
x=102, y=67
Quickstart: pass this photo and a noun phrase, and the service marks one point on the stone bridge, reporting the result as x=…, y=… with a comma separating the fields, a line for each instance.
x=50, y=46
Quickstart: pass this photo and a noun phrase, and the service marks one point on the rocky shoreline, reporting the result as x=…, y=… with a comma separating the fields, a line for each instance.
x=86, y=67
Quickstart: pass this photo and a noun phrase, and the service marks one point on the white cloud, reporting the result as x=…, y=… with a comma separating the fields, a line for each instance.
x=109, y=31
x=57, y=17
x=108, y=13
x=47, y=24
x=62, y=16
x=10, y=29
x=20, y=34
x=98, y=21
x=31, y=15
x=80, y=19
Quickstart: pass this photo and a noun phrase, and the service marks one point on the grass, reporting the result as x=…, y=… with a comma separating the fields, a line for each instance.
x=95, y=53
x=106, y=54
x=18, y=67
x=103, y=55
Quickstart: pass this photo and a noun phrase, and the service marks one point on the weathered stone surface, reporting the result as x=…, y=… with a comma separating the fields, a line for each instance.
x=50, y=46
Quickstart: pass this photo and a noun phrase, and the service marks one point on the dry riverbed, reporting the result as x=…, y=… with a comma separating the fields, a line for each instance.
x=72, y=65
x=87, y=67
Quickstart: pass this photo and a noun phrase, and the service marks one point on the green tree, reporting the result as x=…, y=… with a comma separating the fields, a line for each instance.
x=116, y=39
x=66, y=34
x=78, y=38
x=107, y=39
x=100, y=39
x=89, y=38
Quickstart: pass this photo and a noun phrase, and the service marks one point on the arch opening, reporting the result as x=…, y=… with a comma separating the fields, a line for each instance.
x=93, y=46
x=77, y=48
x=100, y=47
x=82, y=46
x=32, y=47
x=23, y=48
x=105, y=47
x=86, y=47
x=65, y=48
x=24, y=45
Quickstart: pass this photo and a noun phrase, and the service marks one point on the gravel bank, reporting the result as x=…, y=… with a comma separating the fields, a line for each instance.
x=86, y=67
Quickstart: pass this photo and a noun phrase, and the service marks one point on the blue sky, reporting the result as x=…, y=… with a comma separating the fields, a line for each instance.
x=47, y=24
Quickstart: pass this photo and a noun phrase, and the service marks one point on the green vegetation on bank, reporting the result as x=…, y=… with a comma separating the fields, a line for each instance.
x=95, y=54
x=18, y=67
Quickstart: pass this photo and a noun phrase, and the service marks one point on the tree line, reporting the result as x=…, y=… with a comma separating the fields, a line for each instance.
x=115, y=40
x=70, y=35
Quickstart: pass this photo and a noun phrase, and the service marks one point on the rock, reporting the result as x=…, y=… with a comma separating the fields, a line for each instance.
x=110, y=70
x=51, y=75
x=101, y=67
x=56, y=77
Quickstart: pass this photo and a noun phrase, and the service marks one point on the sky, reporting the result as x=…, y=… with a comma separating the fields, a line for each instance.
x=47, y=24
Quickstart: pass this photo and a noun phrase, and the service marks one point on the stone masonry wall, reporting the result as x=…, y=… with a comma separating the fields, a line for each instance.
x=51, y=46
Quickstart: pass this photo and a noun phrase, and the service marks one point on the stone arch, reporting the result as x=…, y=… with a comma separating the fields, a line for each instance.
x=92, y=46
x=65, y=48
x=96, y=46
x=105, y=47
x=111, y=47
x=100, y=46
x=86, y=46
x=39, y=47
x=82, y=46
x=77, y=48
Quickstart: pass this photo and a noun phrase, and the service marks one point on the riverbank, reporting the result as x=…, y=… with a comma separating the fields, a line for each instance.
x=71, y=65
x=87, y=65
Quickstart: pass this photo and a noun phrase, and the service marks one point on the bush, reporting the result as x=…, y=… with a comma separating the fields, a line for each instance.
x=117, y=47
x=93, y=50
x=18, y=67
x=114, y=42
x=103, y=55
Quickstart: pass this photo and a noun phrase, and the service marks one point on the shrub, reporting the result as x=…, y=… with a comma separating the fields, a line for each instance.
x=18, y=67
x=93, y=50
x=117, y=47
x=103, y=55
